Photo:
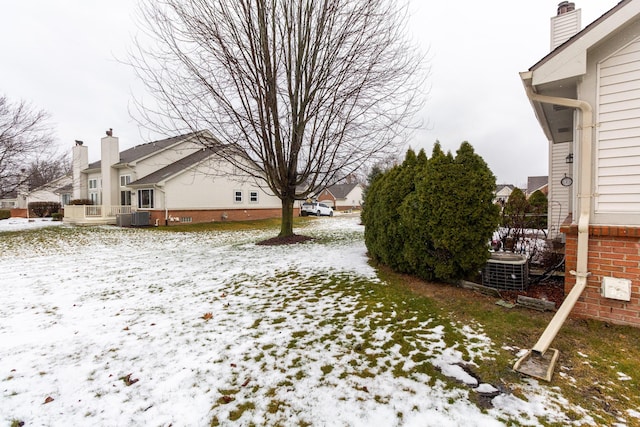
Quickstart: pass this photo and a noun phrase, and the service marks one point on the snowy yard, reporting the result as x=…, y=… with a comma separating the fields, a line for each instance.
x=107, y=326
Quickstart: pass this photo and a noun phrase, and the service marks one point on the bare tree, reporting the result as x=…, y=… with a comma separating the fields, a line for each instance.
x=25, y=136
x=300, y=93
x=42, y=171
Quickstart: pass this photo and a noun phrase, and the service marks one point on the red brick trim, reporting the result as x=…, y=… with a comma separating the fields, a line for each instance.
x=213, y=215
x=614, y=251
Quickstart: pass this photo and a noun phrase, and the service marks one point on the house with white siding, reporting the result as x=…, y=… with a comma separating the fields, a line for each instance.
x=342, y=197
x=171, y=181
x=586, y=96
x=502, y=193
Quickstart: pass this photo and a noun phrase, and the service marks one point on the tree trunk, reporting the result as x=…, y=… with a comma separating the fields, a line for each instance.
x=286, y=229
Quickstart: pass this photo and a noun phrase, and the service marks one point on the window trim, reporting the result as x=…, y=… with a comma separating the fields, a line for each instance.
x=238, y=196
x=151, y=203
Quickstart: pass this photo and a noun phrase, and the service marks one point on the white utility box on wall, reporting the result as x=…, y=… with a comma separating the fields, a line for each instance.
x=615, y=288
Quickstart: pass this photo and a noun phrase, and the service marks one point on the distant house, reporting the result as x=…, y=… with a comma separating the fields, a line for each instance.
x=586, y=96
x=174, y=180
x=343, y=196
x=503, y=191
x=58, y=191
x=537, y=183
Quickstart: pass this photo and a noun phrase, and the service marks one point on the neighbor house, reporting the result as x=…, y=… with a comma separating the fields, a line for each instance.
x=503, y=191
x=174, y=180
x=342, y=197
x=57, y=191
x=537, y=183
x=586, y=96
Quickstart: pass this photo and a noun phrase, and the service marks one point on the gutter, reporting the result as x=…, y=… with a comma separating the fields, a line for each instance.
x=584, y=201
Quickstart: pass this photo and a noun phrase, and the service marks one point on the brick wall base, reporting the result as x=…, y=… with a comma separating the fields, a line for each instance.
x=177, y=217
x=614, y=251
x=18, y=213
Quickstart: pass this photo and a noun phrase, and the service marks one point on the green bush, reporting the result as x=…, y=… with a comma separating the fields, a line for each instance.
x=57, y=216
x=538, y=205
x=384, y=233
x=44, y=209
x=433, y=217
x=5, y=214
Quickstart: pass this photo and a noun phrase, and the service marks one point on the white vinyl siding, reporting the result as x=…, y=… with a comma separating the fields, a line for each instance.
x=559, y=206
x=618, y=147
x=564, y=26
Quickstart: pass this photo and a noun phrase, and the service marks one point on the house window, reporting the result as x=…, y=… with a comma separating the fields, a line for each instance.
x=186, y=219
x=253, y=197
x=125, y=180
x=125, y=198
x=93, y=183
x=145, y=198
x=93, y=196
x=66, y=198
x=237, y=196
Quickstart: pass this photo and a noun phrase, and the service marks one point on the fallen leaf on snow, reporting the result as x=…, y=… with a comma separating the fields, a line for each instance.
x=128, y=381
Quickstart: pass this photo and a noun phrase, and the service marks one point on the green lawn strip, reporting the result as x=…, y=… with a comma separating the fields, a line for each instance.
x=598, y=364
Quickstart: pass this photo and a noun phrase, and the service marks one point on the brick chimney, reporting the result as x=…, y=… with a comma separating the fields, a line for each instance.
x=565, y=24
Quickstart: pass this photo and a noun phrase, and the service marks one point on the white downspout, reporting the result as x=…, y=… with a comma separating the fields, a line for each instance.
x=166, y=209
x=584, y=202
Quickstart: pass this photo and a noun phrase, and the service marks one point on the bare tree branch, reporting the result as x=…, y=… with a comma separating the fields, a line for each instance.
x=305, y=91
x=25, y=137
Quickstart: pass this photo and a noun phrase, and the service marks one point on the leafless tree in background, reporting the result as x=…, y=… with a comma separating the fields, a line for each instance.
x=42, y=171
x=301, y=93
x=25, y=137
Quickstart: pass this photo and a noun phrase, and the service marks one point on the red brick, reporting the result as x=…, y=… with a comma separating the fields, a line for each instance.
x=611, y=255
x=612, y=243
x=624, y=263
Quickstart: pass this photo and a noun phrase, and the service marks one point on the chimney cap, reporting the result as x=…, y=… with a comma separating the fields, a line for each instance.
x=109, y=132
x=78, y=142
x=566, y=7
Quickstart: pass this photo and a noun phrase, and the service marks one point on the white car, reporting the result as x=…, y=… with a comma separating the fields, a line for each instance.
x=315, y=208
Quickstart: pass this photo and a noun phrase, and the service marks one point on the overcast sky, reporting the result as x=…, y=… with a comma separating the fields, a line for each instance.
x=61, y=57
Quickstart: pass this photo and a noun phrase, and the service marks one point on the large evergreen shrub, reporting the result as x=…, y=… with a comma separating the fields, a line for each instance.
x=433, y=218
x=456, y=215
x=385, y=234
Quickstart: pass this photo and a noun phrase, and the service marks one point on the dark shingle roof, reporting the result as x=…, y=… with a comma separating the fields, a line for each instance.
x=340, y=191
x=499, y=187
x=143, y=150
x=174, y=168
x=536, y=182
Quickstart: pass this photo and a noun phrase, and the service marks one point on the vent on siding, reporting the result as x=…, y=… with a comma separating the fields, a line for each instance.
x=506, y=271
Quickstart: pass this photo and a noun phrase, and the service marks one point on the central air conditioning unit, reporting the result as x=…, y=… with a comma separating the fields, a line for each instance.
x=140, y=219
x=123, y=220
x=506, y=271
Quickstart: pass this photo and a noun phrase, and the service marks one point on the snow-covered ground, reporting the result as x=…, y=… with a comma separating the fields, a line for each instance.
x=106, y=326
x=16, y=224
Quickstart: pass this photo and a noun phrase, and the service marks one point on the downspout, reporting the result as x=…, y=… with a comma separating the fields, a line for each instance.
x=166, y=209
x=584, y=203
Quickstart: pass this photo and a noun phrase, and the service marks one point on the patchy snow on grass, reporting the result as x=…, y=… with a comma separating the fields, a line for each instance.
x=17, y=224
x=108, y=326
